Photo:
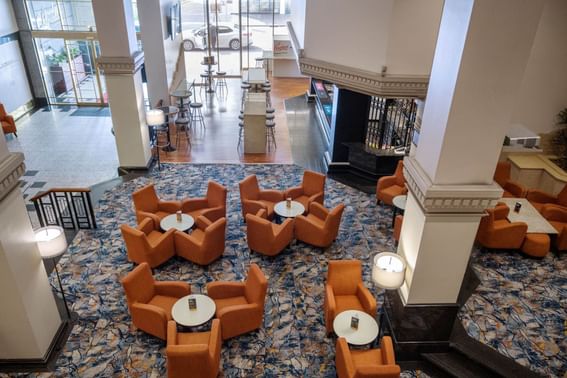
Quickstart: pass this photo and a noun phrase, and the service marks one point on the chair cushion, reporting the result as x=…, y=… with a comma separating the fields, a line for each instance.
x=153, y=237
x=227, y=302
x=195, y=213
x=193, y=338
x=316, y=220
x=347, y=302
x=536, y=245
x=164, y=302
x=537, y=205
x=270, y=206
x=390, y=192
x=366, y=357
x=303, y=200
x=558, y=225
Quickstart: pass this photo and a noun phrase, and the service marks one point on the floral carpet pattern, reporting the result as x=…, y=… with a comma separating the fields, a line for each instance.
x=506, y=312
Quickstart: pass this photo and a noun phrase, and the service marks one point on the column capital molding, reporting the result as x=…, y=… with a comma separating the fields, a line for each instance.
x=121, y=65
x=435, y=198
x=11, y=169
x=370, y=83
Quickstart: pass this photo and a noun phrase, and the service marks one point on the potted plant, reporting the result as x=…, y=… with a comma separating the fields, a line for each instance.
x=559, y=140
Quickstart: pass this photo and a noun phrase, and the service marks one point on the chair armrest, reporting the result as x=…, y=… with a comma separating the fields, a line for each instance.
x=318, y=210
x=176, y=289
x=538, y=196
x=387, y=351
x=302, y=223
x=330, y=300
x=385, y=181
x=254, y=206
x=147, y=225
x=182, y=239
x=151, y=319
x=190, y=352
x=171, y=333
x=166, y=237
x=286, y=229
x=192, y=204
x=514, y=231
x=223, y=289
x=515, y=188
x=215, y=213
x=554, y=213
x=141, y=215
x=343, y=360
x=169, y=206
x=317, y=197
x=294, y=192
x=366, y=299
x=271, y=195
x=234, y=313
x=501, y=212
x=372, y=371
x=202, y=222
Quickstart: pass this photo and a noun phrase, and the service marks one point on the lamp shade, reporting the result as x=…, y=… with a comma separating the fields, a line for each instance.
x=388, y=270
x=51, y=241
x=155, y=117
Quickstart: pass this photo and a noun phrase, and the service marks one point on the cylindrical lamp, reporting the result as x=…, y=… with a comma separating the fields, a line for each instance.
x=51, y=241
x=388, y=270
x=155, y=117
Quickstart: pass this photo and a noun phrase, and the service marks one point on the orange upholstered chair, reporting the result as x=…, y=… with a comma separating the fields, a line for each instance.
x=147, y=244
x=312, y=189
x=254, y=199
x=150, y=301
x=539, y=198
x=320, y=227
x=205, y=244
x=359, y=363
x=7, y=121
x=148, y=205
x=557, y=216
x=193, y=354
x=266, y=237
x=213, y=205
x=345, y=290
x=240, y=305
x=398, y=227
x=495, y=231
x=502, y=178
x=389, y=187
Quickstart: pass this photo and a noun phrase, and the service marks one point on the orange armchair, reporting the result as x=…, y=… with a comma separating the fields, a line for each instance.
x=502, y=177
x=557, y=216
x=358, y=363
x=212, y=206
x=7, y=121
x=205, y=244
x=254, y=199
x=344, y=290
x=193, y=354
x=148, y=205
x=539, y=198
x=312, y=189
x=240, y=305
x=389, y=187
x=320, y=227
x=266, y=237
x=150, y=301
x=495, y=231
x=147, y=244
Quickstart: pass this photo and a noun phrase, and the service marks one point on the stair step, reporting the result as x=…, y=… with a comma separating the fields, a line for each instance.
x=458, y=365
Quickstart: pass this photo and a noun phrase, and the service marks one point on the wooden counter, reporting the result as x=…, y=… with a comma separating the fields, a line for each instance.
x=537, y=172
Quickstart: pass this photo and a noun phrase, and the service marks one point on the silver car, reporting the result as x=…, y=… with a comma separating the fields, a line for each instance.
x=228, y=36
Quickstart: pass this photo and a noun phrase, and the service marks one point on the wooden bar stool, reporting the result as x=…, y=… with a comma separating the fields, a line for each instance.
x=221, y=81
x=270, y=134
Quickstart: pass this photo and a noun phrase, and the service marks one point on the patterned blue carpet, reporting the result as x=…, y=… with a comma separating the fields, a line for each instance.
x=518, y=309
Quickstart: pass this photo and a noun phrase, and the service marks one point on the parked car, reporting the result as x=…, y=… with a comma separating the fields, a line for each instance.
x=228, y=37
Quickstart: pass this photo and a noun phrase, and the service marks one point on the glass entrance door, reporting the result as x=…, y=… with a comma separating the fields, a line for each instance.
x=84, y=72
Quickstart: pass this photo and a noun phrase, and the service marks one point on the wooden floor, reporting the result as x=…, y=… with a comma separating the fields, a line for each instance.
x=217, y=143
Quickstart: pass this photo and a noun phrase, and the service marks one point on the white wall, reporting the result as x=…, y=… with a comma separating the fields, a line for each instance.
x=412, y=37
x=544, y=88
x=8, y=24
x=14, y=86
x=350, y=33
x=298, y=19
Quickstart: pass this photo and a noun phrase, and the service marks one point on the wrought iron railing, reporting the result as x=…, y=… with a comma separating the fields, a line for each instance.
x=70, y=208
x=390, y=123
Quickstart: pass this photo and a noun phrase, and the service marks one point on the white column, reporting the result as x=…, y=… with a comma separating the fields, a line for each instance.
x=121, y=62
x=29, y=319
x=482, y=51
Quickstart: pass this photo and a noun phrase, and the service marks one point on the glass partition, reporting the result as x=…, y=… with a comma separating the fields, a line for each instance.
x=58, y=15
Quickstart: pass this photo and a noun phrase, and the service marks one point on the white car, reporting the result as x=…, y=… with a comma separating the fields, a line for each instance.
x=228, y=37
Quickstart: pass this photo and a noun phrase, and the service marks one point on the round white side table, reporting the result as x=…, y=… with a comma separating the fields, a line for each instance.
x=294, y=210
x=366, y=332
x=171, y=221
x=186, y=317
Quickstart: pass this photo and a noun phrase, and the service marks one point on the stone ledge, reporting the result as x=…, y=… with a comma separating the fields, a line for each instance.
x=11, y=169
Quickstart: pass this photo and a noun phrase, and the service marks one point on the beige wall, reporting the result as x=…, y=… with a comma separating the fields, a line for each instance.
x=544, y=88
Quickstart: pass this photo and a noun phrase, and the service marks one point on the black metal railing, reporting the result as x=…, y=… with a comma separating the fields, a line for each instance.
x=390, y=123
x=70, y=208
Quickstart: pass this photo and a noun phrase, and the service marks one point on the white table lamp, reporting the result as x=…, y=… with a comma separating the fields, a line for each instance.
x=388, y=270
x=155, y=117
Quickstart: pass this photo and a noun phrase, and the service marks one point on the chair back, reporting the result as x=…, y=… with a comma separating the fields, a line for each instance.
x=215, y=236
x=249, y=189
x=136, y=242
x=259, y=234
x=216, y=194
x=399, y=173
x=502, y=173
x=313, y=183
x=333, y=221
x=146, y=199
x=562, y=196
x=256, y=286
x=344, y=276
x=139, y=285
x=3, y=113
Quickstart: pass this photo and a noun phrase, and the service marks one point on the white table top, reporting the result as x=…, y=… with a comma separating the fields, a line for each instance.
x=400, y=201
x=205, y=310
x=367, y=327
x=170, y=221
x=256, y=75
x=294, y=210
x=529, y=215
x=181, y=93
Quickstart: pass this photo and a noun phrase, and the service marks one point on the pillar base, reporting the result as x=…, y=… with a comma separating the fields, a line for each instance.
x=125, y=170
x=47, y=363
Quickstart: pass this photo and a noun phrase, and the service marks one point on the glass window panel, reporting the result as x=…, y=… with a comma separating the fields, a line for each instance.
x=56, y=70
x=44, y=14
x=77, y=15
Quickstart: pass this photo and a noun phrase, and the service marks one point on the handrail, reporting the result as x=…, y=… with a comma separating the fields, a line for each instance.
x=70, y=208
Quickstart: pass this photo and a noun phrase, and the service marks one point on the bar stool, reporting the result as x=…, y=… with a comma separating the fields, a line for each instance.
x=221, y=80
x=270, y=110
x=205, y=77
x=260, y=62
x=270, y=116
x=245, y=88
x=267, y=91
x=196, y=115
x=270, y=134
x=240, y=134
x=160, y=140
x=182, y=127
